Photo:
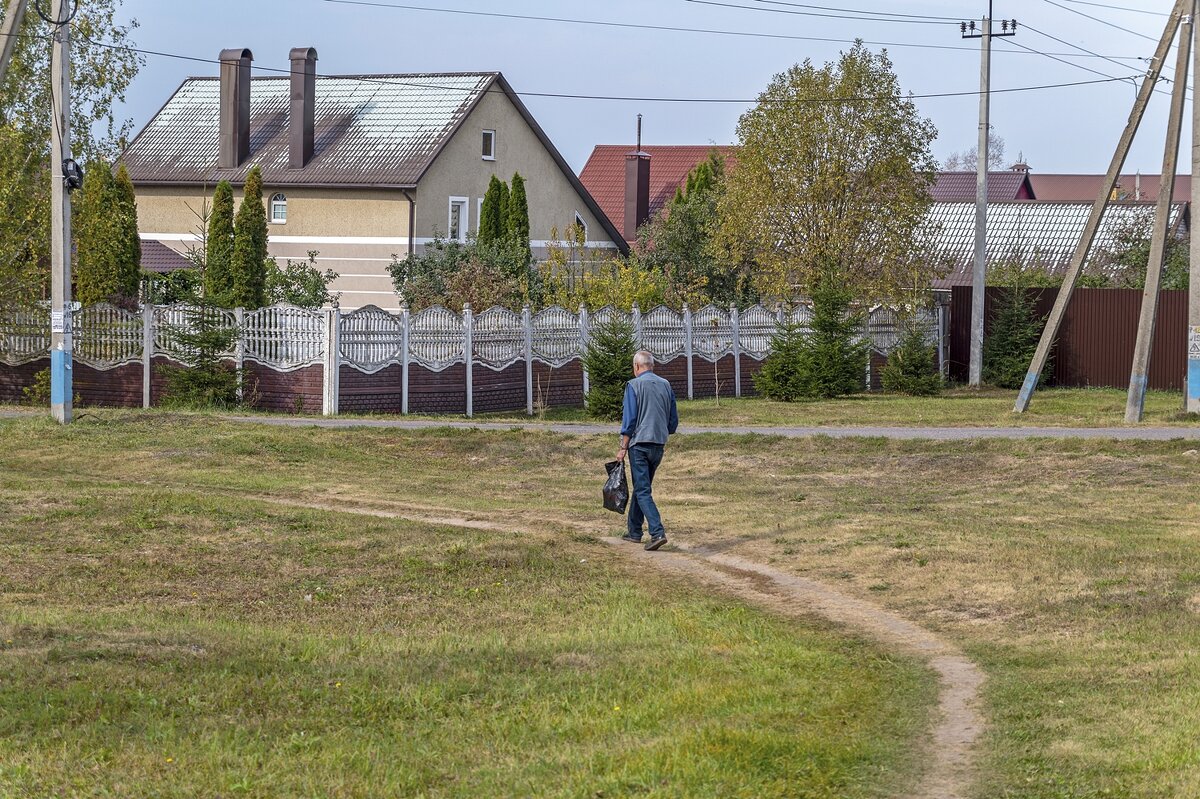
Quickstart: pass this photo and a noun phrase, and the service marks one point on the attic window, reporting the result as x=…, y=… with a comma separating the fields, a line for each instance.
x=278, y=209
x=581, y=225
x=489, y=145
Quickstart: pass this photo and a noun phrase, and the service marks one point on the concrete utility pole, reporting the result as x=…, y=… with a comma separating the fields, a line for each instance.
x=64, y=174
x=1050, y=332
x=1139, y=374
x=1193, y=374
x=979, y=276
x=14, y=15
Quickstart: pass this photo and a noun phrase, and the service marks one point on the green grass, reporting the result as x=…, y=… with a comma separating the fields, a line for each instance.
x=1068, y=569
x=953, y=408
x=162, y=634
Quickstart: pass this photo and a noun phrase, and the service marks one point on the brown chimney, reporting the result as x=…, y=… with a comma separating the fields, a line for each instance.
x=302, y=113
x=235, y=107
x=637, y=187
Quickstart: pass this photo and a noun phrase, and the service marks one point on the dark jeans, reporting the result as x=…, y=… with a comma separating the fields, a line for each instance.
x=643, y=463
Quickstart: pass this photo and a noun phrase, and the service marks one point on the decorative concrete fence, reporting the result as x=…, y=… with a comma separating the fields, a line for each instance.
x=432, y=361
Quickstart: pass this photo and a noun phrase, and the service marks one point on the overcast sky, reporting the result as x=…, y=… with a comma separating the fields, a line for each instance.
x=1059, y=130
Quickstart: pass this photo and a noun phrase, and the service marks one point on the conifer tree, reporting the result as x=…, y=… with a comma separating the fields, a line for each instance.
x=218, y=267
x=97, y=261
x=129, y=242
x=518, y=216
x=491, y=215
x=502, y=220
x=250, y=246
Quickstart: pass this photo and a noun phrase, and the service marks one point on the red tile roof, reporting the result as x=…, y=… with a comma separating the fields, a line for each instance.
x=1085, y=188
x=604, y=173
x=960, y=187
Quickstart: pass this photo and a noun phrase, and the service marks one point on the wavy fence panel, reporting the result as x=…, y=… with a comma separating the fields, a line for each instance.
x=712, y=333
x=436, y=338
x=171, y=320
x=756, y=329
x=106, y=336
x=556, y=336
x=663, y=333
x=371, y=339
x=284, y=337
x=498, y=338
x=24, y=335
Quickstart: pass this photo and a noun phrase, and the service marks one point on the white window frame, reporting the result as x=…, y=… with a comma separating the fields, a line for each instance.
x=271, y=209
x=492, y=156
x=464, y=219
x=478, y=214
x=579, y=220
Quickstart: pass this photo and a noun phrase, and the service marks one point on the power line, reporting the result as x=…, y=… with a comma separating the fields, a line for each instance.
x=856, y=11
x=1101, y=21
x=621, y=98
x=649, y=27
x=1082, y=49
x=1118, y=8
x=857, y=16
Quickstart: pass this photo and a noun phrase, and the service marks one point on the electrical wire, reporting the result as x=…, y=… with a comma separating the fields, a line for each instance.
x=58, y=23
x=622, y=98
x=1101, y=21
x=645, y=26
x=1118, y=8
x=852, y=14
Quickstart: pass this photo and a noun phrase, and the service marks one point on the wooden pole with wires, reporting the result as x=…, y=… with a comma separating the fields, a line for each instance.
x=63, y=177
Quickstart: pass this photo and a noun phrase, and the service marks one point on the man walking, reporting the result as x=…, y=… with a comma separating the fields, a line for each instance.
x=649, y=416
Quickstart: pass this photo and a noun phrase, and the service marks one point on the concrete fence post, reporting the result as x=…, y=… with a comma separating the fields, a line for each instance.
x=527, y=324
x=469, y=356
x=583, y=345
x=405, y=319
x=331, y=383
x=779, y=313
x=147, y=351
x=239, y=351
x=736, y=329
x=687, y=347
x=636, y=315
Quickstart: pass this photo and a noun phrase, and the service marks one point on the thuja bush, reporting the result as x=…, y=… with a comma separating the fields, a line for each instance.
x=912, y=368
x=608, y=360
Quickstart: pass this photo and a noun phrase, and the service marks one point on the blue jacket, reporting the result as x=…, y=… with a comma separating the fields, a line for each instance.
x=650, y=414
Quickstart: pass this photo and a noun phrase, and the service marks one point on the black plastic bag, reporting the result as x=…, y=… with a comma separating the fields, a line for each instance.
x=616, y=488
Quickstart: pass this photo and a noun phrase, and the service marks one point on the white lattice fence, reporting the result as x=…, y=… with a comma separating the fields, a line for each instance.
x=284, y=337
x=107, y=336
x=372, y=339
x=25, y=335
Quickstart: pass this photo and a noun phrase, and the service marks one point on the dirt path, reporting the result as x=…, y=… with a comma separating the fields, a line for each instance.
x=951, y=742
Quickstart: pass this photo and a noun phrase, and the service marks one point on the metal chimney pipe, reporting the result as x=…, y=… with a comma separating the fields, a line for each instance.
x=302, y=112
x=234, y=145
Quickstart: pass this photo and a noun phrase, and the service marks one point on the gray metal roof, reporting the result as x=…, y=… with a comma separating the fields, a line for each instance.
x=376, y=130
x=1036, y=233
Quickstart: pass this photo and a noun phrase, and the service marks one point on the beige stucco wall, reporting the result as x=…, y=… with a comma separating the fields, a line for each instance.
x=461, y=171
x=355, y=233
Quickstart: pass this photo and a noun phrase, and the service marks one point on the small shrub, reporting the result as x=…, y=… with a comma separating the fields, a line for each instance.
x=38, y=392
x=830, y=360
x=205, y=380
x=1012, y=340
x=608, y=361
x=912, y=368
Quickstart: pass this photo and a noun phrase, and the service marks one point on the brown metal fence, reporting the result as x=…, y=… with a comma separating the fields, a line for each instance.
x=1095, y=343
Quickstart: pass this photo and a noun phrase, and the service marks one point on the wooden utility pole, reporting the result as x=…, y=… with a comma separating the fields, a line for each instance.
x=1139, y=374
x=1193, y=373
x=14, y=15
x=1050, y=332
x=979, y=275
x=61, y=344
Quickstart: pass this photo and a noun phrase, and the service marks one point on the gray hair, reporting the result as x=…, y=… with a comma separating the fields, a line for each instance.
x=644, y=358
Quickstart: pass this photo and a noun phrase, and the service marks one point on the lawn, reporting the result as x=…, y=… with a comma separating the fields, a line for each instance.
x=163, y=633
x=1068, y=569
x=1073, y=407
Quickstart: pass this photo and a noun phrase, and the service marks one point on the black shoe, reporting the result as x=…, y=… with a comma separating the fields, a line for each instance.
x=635, y=539
x=655, y=543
